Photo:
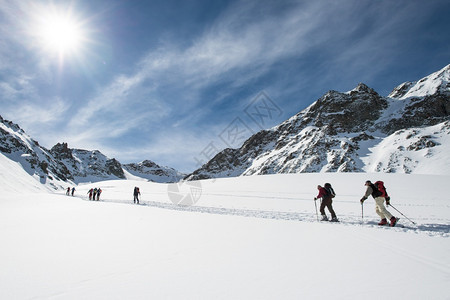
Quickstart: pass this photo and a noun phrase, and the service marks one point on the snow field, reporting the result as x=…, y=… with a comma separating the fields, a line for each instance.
x=62, y=247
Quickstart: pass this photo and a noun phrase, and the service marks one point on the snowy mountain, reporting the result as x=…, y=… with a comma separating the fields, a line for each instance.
x=86, y=165
x=355, y=131
x=61, y=164
x=151, y=171
x=36, y=160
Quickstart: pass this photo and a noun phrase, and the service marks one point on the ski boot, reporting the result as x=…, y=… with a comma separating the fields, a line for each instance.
x=383, y=222
x=393, y=221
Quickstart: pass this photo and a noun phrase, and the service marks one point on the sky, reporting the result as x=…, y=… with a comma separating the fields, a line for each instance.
x=177, y=81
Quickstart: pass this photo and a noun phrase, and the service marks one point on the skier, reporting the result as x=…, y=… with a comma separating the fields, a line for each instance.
x=136, y=194
x=90, y=192
x=380, y=209
x=99, y=191
x=73, y=190
x=326, y=194
x=68, y=191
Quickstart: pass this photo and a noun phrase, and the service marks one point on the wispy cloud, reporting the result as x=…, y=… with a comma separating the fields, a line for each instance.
x=180, y=94
x=243, y=45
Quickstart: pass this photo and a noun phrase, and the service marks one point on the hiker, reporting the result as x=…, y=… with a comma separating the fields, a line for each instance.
x=136, y=194
x=90, y=192
x=99, y=191
x=73, y=190
x=68, y=191
x=326, y=194
x=380, y=209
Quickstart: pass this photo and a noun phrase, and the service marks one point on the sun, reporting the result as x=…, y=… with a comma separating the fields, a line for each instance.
x=61, y=34
x=59, y=31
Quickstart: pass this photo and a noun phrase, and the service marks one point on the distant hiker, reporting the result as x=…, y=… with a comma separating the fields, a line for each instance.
x=90, y=192
x=68, y=191
x=136, y=194
x=94, y=193
x=326, y=194
x=380, y=209
x=73, y=190
x=99, y=191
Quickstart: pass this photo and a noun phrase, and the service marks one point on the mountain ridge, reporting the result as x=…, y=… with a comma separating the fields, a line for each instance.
x=336, y=132
x=339, y=132
x=61, y=165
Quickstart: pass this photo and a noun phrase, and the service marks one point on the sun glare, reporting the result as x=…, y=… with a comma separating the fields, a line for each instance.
x=59, y=32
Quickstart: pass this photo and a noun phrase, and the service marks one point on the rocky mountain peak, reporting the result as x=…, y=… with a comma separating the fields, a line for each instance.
x=62, y=151
x=345, y=112
x=335, y=133
x=362, y=88
x=153, y=172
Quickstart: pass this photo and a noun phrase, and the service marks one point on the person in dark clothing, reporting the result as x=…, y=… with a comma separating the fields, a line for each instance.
x=99, y=191
x=136, y=194
x=68, y=191
x=90, y=192
x=326, y=196
x=73, y=190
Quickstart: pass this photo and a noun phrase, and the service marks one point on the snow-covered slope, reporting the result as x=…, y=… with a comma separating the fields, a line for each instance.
x=14, y=179
x=338, y=132
x=415, y=150
x=253, y=237
x=436, y=83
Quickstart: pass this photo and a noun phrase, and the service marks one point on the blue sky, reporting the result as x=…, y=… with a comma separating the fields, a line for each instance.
x=170, y=81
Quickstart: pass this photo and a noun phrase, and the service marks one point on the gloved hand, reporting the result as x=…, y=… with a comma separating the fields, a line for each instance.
x=362, y=200
x=315, y=198
x=388, y=200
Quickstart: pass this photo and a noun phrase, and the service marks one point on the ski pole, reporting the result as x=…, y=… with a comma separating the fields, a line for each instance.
x=402, y=214
x=362, y=212
x=317, y=215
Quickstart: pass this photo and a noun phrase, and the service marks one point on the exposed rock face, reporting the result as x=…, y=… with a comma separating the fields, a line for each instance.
x=153, y=172
x=87, y=165
x=335, y=133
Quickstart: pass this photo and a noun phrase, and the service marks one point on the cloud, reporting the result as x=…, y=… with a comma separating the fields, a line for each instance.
x=185, y=83
x=39, y=119
x=181, y=93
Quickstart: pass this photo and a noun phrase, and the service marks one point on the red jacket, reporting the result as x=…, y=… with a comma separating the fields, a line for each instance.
x=322, y=193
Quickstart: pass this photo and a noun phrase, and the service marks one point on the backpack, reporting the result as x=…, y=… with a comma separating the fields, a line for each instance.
x=380, y=186
x=329, y=190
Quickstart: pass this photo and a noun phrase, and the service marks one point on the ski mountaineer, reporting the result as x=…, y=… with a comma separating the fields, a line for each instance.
x=90, y=193
x=326, y=195
x=380, y=209
x=136, y=194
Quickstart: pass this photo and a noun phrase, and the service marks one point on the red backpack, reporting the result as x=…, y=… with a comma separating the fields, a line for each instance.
x=380, y=186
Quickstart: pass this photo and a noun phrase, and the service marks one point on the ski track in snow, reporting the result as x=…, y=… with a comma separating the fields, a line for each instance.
x=345, y=220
